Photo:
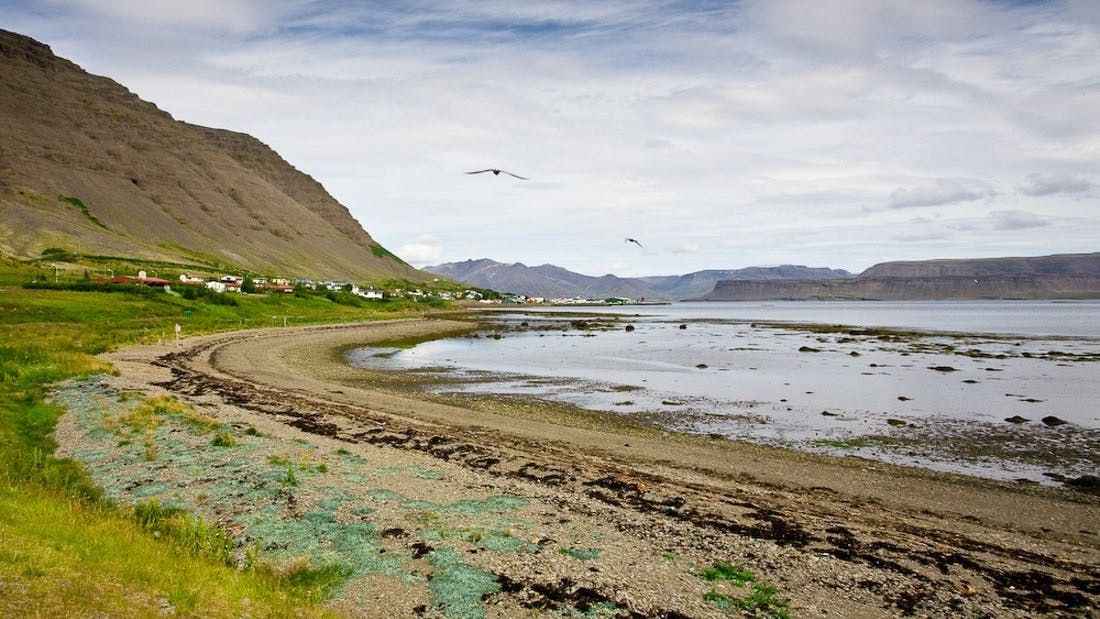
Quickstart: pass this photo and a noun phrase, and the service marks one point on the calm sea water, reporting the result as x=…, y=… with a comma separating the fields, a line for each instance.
x=723, y=374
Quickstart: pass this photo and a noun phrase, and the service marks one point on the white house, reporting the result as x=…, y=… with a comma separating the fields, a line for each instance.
x=216, y=286
x=190, y=279
x=370, y=293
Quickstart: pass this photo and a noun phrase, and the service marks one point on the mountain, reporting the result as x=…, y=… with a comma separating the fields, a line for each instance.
x=88, y=167
x=555, y=282
x=1065, y=276
x=698, y=283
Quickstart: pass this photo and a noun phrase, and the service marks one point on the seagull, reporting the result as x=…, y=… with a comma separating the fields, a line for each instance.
x=497, y=172
x=635, y=241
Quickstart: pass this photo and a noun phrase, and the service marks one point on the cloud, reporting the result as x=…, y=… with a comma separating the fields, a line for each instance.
x=233, y=15
x=686, y=248
x=676, y=123
x=1016, y=220
x=919, y=237
x=938, y=192
x=1051, y=184
x=422, y=251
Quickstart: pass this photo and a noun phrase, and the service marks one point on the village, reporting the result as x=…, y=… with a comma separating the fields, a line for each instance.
x=265, y=285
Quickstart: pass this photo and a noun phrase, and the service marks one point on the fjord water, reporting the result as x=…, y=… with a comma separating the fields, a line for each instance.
x=724, y=374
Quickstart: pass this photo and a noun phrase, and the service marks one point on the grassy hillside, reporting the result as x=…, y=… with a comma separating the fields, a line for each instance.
x=64, y=551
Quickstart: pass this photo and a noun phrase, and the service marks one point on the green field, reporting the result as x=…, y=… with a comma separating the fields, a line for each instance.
x=66, y=551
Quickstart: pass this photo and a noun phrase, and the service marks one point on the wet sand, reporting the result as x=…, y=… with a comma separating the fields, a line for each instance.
x=837, y=536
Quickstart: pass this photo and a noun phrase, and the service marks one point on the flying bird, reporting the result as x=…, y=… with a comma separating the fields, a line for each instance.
x=635, y=241
x=497, y=172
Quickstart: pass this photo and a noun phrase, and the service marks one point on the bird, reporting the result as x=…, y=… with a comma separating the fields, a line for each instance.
x=635, y=241
x=497, y=172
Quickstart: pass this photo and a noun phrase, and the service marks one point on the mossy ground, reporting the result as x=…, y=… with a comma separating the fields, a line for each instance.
x=294, y=507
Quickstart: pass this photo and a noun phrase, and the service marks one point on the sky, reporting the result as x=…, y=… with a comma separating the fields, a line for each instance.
x=718, y=134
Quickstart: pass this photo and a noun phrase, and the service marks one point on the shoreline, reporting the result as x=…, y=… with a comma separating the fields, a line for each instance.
x=987, y=445
x=903, y=529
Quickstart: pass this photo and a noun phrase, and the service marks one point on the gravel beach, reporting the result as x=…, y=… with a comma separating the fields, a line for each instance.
x=612, y=517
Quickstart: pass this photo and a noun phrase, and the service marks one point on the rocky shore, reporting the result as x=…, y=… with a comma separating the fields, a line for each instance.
x=513, y=510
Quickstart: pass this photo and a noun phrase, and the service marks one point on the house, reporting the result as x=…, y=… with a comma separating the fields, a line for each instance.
x=341, y=286
x=191, y=280
x=280, y=281
x=370, y=293
x=231, y=279
x=216, y=286
x=154, y=282
x=472, y=295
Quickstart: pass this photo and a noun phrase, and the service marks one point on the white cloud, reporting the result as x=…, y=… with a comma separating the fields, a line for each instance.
x=422, y=251
x=1050, y=184
x=1017, y=220
x=938, y=192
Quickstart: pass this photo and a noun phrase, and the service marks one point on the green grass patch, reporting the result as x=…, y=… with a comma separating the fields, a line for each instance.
x=727, y=571
x=582, y=554
x=223, y=439
x=67, y=557
x=382, y=252
x=764, y=602
x=83, y=209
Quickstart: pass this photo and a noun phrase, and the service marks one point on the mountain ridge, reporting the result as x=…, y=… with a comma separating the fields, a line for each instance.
x=1057, y=276
x=552, y=281
x=89, y=167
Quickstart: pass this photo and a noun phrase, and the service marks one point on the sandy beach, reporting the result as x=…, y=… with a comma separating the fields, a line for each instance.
x=626, y=517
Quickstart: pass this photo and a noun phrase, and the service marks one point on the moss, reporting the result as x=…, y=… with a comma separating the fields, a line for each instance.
x=457, y=589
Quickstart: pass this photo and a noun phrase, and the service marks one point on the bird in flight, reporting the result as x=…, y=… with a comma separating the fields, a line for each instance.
x=635, y=241
x=497, y=172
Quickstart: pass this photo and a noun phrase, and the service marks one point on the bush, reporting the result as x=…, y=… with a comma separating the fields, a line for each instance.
x=203, y=293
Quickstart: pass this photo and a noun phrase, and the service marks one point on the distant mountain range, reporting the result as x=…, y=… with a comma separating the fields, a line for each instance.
x=1065, y=276
x=555, y=282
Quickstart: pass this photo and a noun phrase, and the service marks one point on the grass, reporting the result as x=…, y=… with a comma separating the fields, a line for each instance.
x=762, y=601
x=64, y=551
x=382, y=252
x=581, y=554
x=62, y=556
x=727, y=571
x=83, y=209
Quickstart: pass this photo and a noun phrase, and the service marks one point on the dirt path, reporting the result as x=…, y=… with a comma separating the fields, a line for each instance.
x=837, y=536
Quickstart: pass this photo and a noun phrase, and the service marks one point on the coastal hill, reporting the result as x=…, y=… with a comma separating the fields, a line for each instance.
x=87, y=167
x=555, y=282
x=1065, y=276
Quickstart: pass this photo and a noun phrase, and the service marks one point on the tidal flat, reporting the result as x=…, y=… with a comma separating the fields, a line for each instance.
x=1013, y=406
